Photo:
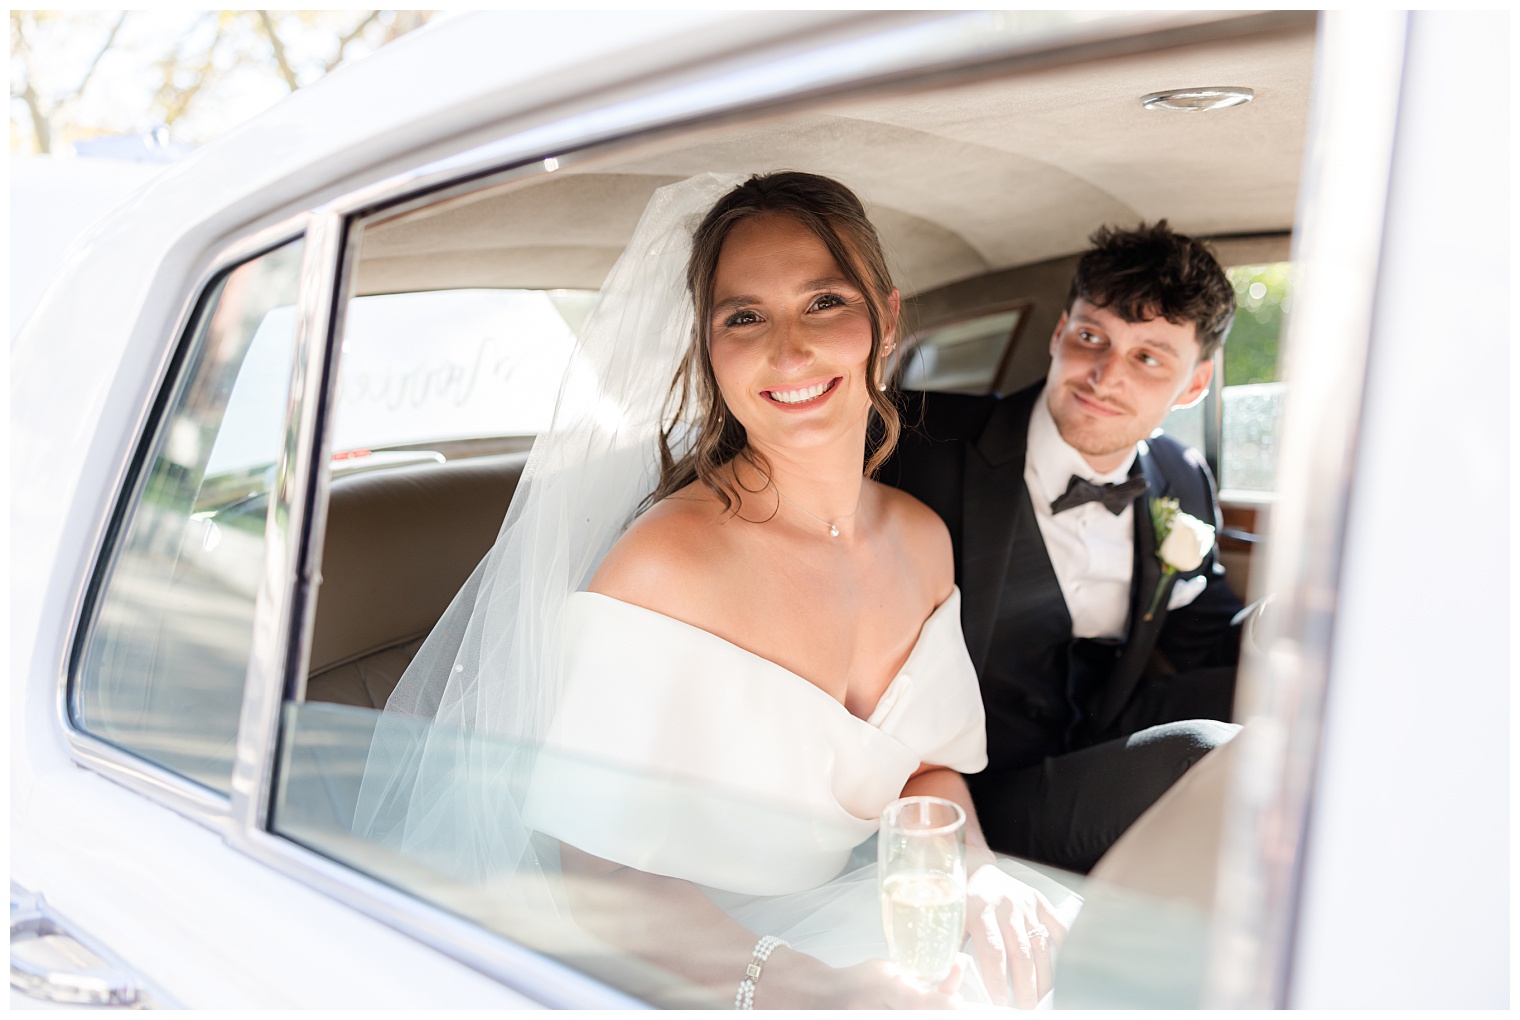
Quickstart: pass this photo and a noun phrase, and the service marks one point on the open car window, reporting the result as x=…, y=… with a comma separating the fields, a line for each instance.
x=461, y=320
x=1247, y=393
x=1252, y=392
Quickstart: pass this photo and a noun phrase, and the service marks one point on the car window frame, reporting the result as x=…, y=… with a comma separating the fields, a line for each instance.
x=1339, y=230
x=176, y=791
x=1023, y=306
x=296, y=516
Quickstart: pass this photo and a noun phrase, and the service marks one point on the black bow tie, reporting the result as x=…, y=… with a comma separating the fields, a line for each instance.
x=1114, y=497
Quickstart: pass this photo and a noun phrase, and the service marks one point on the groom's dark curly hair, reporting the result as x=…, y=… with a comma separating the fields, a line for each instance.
x=1154, y=272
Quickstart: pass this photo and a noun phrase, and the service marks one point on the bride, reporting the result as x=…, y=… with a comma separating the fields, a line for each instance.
x=773, y=623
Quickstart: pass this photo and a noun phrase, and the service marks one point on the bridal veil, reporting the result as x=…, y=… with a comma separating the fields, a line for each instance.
x=452, y=754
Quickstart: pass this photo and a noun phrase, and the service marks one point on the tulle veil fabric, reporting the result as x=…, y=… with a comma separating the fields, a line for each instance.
x=449, y=795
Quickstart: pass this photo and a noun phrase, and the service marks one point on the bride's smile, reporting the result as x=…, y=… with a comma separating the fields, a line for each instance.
x=791, y=338
x=803, y=396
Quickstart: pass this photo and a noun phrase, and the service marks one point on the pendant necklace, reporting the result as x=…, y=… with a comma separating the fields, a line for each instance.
x=832, y=526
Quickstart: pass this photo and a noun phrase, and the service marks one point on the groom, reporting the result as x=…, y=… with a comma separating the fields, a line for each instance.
x=1047, y=494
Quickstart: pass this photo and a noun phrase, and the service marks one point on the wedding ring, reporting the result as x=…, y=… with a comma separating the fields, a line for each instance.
x=1039, y=931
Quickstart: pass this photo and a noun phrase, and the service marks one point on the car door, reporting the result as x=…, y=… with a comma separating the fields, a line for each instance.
x=156, y=736
x=521, y=220
x=160, y=713
x=137, y=897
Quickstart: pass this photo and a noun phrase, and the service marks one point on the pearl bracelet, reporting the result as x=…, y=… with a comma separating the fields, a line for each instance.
x=745, y=998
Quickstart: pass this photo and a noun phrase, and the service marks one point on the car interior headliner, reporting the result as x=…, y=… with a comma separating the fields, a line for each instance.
x=961, y=181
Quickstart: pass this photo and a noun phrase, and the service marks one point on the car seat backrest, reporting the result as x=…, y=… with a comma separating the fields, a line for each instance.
x=399, y=544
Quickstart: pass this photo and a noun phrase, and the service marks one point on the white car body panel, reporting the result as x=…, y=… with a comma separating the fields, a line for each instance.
x=1407, y=889
x=54, y=201
x=170, y=898
x=173, y=898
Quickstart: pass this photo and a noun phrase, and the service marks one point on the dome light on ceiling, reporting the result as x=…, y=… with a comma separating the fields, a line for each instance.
x=1197, y=100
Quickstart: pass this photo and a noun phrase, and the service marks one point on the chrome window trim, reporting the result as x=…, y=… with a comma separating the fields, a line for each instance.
x=541, y=978
x=287, y=581
x=1337, y=249
x=185, y=797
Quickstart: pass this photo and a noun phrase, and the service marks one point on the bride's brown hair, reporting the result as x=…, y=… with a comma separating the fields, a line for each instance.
x=835, y=216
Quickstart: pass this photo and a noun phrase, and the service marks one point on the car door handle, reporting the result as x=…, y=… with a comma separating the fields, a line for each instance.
x=51, y=963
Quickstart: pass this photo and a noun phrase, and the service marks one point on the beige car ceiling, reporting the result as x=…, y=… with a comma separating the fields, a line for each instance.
x=960, y=181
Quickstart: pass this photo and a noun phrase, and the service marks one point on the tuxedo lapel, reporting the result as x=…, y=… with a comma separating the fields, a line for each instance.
x=996, y=505
x=1144, y=578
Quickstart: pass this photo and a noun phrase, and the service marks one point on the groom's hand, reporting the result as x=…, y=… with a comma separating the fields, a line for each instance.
x=1013, y=930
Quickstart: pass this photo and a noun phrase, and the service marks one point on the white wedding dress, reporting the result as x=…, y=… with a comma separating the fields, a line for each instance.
x=678, y=753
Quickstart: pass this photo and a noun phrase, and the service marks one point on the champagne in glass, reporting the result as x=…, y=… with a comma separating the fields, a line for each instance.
x=921, y=856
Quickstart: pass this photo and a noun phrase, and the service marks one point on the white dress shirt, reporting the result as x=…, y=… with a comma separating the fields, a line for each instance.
x=1092, y=550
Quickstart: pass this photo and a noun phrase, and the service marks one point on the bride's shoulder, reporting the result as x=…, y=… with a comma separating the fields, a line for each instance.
x=664, y=554
x=921, y=534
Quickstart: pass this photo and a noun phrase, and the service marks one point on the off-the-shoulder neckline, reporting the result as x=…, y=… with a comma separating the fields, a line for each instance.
x=950, y=604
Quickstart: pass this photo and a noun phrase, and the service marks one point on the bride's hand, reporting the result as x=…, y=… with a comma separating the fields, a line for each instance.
x=1013, y=929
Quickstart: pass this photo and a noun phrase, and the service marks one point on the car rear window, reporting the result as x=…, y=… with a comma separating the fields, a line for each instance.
x=452, y=364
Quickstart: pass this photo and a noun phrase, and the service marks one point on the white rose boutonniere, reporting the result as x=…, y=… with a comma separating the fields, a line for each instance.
x=1182, y=541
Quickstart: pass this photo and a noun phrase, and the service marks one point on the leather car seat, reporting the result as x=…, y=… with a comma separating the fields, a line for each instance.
x=399, y=543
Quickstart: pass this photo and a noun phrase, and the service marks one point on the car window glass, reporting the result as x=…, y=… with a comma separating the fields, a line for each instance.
x=962, y=357
x=162, y=668
x=338, y=761
x=451, y=364
x=1248, y=391
x=1252, y=393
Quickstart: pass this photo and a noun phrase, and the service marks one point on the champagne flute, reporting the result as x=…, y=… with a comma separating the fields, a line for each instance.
x=921, y=858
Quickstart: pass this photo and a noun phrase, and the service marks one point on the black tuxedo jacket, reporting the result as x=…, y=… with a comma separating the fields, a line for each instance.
x=1044, y=692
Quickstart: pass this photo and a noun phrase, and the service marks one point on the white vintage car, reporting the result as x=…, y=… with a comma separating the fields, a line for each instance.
x=271, y=412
